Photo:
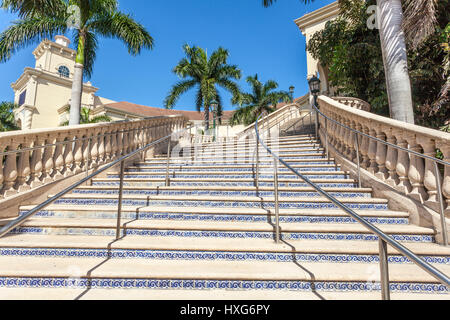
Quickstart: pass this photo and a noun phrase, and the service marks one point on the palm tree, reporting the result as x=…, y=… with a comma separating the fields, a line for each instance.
x=205, y=74
x=260, y=100
x=41, y=19
x=85, y=118
x=7, y=122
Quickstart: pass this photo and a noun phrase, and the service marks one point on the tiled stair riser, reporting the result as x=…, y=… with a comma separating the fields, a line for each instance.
x=114, y=283
x=222, y=184
x=220, y=204
x=209, y=255
x=212, y=193
x=221, y=176
x=214, y=217
x=237, y=170
x=111, y=232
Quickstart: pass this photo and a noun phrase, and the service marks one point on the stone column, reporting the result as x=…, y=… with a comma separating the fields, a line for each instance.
x=403, y=163
x=36, y=162
x=372, y=153
x=429, y=149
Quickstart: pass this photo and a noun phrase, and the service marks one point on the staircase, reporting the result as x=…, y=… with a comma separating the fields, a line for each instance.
x=210, y=235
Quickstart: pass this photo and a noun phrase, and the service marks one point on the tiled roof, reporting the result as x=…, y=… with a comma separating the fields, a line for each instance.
x=146, y=111
x=155, y=112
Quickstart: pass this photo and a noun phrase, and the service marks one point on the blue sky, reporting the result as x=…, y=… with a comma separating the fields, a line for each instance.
x=260, y=40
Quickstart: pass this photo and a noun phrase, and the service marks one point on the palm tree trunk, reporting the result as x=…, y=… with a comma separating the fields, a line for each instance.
x=77, y=84
x=206, y=118
x=395, y=60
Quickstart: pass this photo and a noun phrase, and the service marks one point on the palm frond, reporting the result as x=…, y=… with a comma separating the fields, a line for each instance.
x=419, y=20
x=122, y=26
x=176, y=91
x=26, y=32
x=35, y=8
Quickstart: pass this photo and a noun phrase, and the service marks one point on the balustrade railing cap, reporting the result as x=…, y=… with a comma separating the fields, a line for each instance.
x=12, y=134
x=384, y=121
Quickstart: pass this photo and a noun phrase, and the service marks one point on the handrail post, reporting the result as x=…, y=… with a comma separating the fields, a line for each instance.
x=326, y=139
x=257, y=163
x=441, y=204
x=358, y=159
x=384, y=270
x=277, y=208
x=168, y=163
x=88, y=158
x=119, y=206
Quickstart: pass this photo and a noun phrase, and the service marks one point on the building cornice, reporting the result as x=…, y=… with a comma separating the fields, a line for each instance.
x=323, y=14
x=47, y=44
x=29, y=72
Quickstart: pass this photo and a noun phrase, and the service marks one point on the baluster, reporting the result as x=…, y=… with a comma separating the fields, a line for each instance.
x=94, y=149
x=365, y=161
x=68, y=156
x=36, y=163
x=101, y=147
x=372, y=152
x=351, y=152
x=86, y=147
x=10, y=171
x=78, y=153
x=416, y=171
x=391, y=159
x=58, y=158
x=403, y=163
x=23, y=167
x=444, y=146
x=380, y=158
x=113, y=142
x=48, y=160
x=429, y=181
x=108, y=145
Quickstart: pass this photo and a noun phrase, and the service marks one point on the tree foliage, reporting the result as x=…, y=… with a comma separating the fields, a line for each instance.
x=263, y=98
x=7, y=121
x=206, y=75
x=351, y=52
x=85, y=118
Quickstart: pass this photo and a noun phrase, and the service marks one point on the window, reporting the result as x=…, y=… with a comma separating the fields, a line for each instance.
x=22, y=97
x=64, y=71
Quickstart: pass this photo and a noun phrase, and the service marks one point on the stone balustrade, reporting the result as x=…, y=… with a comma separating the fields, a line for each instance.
x=410, y=174
x=354, y=103
x=33, y=158
x=275, y=119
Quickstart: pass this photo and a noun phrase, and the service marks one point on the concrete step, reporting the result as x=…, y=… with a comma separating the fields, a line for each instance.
x=213, y=229
x=223, y=191
x=211, y=182
x=249, y=169
x=224, y=202
x=234, y=174
x=211, y=249
x=205, y=275
x=219, y=214
x=202, y=295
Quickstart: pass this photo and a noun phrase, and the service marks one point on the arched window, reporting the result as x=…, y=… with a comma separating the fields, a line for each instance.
x=64, y=71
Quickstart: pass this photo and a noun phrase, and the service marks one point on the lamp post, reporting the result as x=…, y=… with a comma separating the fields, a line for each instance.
x=314, y=87
x=291, y=93
x=214, y=107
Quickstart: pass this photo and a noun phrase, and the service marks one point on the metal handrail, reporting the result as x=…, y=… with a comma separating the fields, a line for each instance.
x=22, y=219
x=384, y=239
x=296, y=122
x=423, y=156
